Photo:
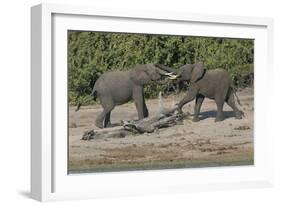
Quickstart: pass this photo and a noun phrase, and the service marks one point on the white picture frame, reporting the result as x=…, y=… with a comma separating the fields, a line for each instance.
x=49, y=178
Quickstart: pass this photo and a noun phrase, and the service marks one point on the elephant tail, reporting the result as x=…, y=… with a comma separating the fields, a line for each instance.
x=234, y=91
x=90, y=97
x=238, y=100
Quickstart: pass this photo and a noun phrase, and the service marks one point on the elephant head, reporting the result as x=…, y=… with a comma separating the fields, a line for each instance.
x=143, y=74
x=191, y=72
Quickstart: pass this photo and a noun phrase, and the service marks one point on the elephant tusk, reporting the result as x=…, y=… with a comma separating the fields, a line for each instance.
x=169, y=73
x=161, y=71
x=172, y=77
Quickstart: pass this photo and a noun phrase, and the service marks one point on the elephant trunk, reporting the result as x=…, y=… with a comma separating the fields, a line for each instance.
x=164, y=70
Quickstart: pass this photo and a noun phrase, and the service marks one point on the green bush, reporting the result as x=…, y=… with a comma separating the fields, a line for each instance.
x=90, y=54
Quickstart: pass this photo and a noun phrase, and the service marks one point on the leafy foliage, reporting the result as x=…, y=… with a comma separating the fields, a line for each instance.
x=90, y=54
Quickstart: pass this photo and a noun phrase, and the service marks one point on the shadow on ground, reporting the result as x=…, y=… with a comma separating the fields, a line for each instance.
x=212, y=114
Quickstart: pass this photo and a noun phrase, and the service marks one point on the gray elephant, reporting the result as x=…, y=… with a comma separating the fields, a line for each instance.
x=215, y=84
x=119, y=87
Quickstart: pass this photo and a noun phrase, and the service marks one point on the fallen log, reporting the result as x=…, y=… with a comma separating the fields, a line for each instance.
x=147, y=125
x=150, y=124
x=113, y=132
x=165, y=118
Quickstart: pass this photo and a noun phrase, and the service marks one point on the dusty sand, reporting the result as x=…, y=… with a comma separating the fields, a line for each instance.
x=193, y=144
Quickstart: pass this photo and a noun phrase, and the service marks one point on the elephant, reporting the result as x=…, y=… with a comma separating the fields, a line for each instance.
x=119, y=87
x=214, y=84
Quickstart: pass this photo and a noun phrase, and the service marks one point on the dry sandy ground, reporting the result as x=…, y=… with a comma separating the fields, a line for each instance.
x=193, y=144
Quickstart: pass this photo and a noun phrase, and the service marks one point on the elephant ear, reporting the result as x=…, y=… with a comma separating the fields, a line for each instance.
x=197, y=72
x=139, y=76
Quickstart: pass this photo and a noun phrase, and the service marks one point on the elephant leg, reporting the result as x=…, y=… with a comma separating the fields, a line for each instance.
x=100, y=119
x=231, y=102
x=141, y=110
x=107, y=120
x=189, y=97
x=199, y=100
x=219, y=101
x=220, y=98
x=104, y=117
x=145, y=110
x=139, y=102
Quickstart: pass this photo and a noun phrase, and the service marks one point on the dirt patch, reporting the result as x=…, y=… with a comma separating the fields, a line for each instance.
x=192, y=144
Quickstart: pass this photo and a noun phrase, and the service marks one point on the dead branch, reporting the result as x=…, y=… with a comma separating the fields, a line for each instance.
x=165, y=118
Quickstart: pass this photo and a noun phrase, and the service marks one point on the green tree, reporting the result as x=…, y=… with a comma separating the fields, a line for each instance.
x=90, y=54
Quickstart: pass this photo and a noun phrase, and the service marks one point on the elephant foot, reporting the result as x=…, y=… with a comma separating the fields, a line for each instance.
x=239, y=115
x=108, y=125
x=195, y=119
x=99, y=124
x=219, y=118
